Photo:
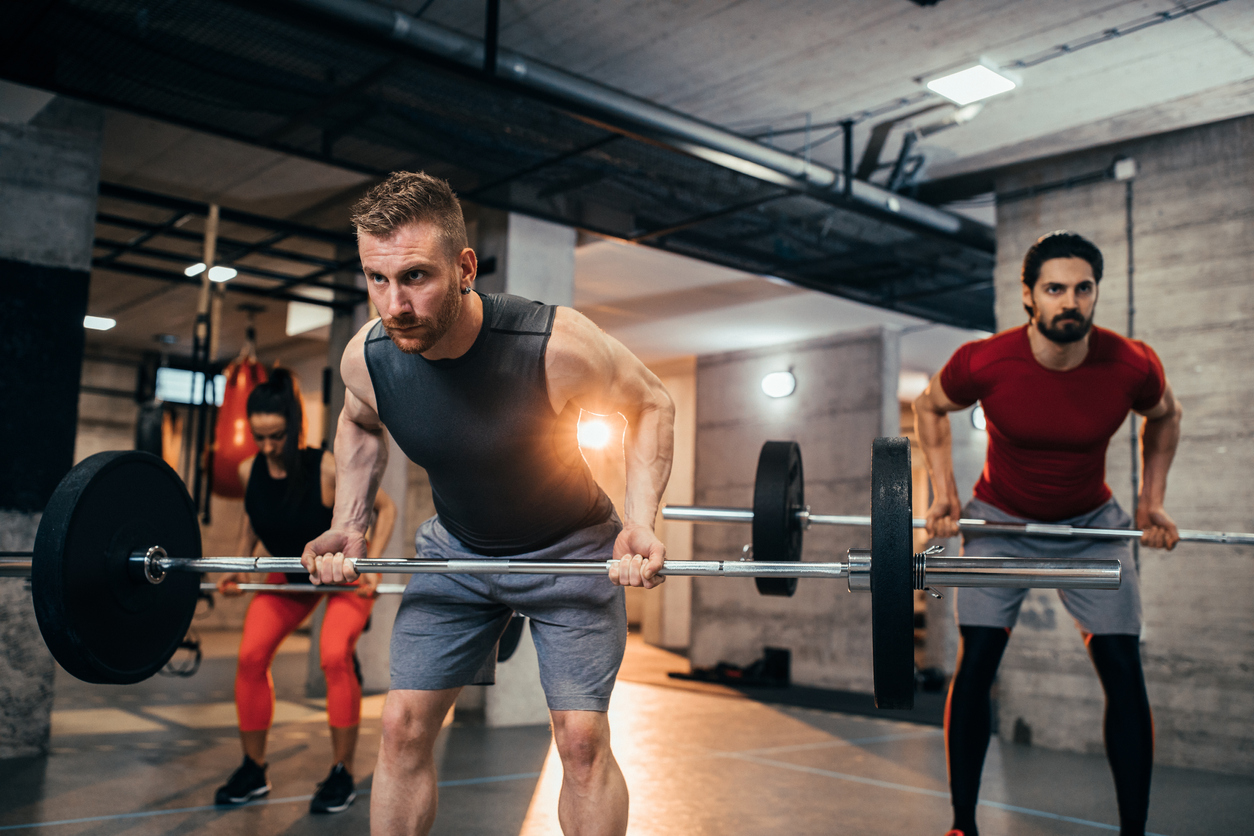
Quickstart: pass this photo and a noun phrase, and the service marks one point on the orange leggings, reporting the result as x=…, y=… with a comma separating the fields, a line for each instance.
x=271, y=618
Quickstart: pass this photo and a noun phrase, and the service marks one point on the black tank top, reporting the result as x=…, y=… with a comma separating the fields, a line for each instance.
x=506, y=473
x=285, y=524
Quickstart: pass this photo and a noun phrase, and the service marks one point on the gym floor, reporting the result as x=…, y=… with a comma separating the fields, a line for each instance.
x=700, y=759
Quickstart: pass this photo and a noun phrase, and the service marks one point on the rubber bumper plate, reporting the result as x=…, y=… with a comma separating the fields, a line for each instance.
x=778, y=494
x=892, y=582
x=101, y=624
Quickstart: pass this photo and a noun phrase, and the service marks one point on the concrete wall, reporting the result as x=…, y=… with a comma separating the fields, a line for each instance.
x=846, y=396
x=1193, y=221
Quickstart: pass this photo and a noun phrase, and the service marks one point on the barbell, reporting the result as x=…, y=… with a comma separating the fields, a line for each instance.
x=779, y=516
x=114, y=571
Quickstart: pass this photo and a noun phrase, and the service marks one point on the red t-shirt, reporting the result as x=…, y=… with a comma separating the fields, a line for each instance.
x=1048, y=430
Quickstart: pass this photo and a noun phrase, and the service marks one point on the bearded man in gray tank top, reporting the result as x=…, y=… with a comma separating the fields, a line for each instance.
x=485, y=391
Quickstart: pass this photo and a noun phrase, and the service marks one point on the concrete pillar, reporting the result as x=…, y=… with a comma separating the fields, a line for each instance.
x=667, y=620
x=49, y=175
x=534, y=259
x=846, y=395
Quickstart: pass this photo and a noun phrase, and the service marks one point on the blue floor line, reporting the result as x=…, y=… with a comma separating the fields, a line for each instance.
x=889, y=785
x=461, y=782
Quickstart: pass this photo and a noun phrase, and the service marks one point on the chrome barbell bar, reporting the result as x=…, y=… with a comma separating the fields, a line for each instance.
x=929, y=569
x=713, y=514
x=381, y=589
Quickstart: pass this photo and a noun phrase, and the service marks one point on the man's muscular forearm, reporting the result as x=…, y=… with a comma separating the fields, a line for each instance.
x=361, y=455
x=936, y=440
x=1159, y=439
x=649, y=447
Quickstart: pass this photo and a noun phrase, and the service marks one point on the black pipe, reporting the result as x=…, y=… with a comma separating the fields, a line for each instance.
x=491, y=32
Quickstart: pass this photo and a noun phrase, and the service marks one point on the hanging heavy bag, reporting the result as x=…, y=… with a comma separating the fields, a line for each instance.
x=233, y=437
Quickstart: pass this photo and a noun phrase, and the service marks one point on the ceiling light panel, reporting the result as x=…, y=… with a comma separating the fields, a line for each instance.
x=971, y=85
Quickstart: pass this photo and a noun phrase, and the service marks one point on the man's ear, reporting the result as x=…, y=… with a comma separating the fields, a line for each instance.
x=468, y=264
x=1027, y=301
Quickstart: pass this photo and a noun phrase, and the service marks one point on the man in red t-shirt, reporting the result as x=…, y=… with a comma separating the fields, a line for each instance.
x=1054, y=391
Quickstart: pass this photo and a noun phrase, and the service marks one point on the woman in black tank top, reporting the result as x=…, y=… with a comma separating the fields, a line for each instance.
x=289, y=493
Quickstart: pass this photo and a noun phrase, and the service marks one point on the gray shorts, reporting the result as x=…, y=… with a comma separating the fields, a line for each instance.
x=448, y=625
x=1100, y=611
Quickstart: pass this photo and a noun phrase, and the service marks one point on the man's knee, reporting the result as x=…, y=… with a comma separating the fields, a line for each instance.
x=411, y=723
x=583, y=741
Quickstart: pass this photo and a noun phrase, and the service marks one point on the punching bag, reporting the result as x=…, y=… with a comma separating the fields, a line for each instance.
x=233, y=437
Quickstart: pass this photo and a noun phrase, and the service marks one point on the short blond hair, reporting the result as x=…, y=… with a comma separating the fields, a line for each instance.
x=409, y=197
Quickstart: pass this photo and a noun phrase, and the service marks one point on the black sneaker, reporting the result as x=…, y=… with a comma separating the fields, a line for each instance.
x=248, y=782
x=335, y=794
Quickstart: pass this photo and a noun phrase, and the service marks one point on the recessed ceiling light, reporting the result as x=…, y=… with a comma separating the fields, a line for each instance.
x=971, y=85
x=222, y=274
x=195, y=269
x=779, y=384
x=99, y=323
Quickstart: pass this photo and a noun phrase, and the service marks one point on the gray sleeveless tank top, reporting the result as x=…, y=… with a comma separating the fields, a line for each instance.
x=506, y=473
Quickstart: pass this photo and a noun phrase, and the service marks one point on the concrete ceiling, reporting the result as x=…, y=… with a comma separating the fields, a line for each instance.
x=659, y=304
x=757, y=66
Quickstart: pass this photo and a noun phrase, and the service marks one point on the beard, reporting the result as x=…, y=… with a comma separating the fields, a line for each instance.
x=1068, y=327
x=415, y=334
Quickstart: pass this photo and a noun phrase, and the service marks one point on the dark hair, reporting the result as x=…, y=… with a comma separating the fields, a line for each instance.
x=280, y=395
x=1060, y=244
x=408, y=197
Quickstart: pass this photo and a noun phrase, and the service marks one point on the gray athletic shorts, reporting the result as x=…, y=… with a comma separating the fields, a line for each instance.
x=1100, y=611
x=448, y=625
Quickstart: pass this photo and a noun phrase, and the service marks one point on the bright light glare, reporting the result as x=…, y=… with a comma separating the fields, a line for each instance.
x=779, y=384
x=99, y=323
x=593, y=434
x=195, y=269
x=222, y=274
x=971, y=85
x=977, y=418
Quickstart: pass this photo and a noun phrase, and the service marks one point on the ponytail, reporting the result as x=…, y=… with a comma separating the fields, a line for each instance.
x=280, y=395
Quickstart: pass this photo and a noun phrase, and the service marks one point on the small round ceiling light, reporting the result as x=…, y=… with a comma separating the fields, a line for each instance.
x=978, y=420
x=779, y=384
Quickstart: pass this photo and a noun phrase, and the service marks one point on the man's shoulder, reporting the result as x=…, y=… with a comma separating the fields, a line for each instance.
x=1113, y=347
x=506, y=313
x=1003, y=345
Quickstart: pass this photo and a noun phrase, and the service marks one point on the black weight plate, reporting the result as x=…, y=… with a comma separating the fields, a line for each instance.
x=778, y=493
x=100, y=625
x=892, y=581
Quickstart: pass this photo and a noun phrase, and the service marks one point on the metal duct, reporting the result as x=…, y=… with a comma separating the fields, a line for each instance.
x=684, y=133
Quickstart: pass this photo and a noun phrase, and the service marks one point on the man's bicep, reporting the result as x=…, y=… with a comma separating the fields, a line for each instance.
x=360, y=412
x=580, y=364
x=1166, y=404
x=937, y=399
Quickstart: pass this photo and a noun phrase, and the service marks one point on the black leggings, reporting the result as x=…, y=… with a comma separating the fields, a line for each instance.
x=1129, y=728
